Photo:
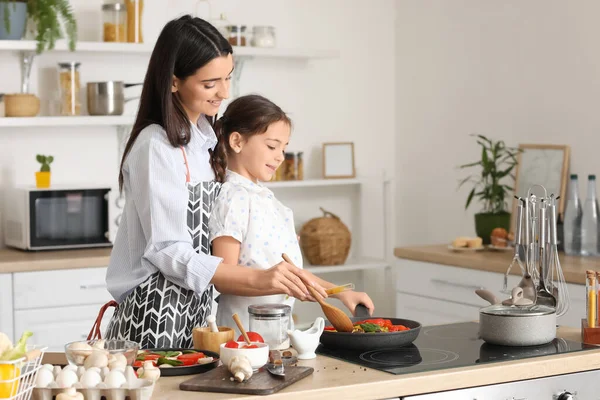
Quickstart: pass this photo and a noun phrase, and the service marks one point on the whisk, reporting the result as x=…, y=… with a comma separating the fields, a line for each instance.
x=555, y=281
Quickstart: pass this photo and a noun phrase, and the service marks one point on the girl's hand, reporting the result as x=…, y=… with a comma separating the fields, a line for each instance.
x=288, y=279
x=351, y=299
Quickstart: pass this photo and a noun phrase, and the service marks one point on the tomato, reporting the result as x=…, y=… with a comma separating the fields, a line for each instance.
x=384, y=323
x=329, y=328
x=138, y=364
x=398, y=328
x=190, y=359
x=232, y=345
x=253, y=336
x=148, y=356
x=251, y=346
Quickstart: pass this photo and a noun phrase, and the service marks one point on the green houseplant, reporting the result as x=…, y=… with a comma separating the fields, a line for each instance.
x=491, y=185
x=51, y=20
x=42, y=177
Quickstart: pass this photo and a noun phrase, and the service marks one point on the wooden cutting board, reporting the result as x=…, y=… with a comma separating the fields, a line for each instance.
x=261, y=383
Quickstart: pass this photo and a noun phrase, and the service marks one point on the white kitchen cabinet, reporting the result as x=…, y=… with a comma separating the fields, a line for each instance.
x=55, y=327
x=6, y=305
x=434, y=293
x=45, y=289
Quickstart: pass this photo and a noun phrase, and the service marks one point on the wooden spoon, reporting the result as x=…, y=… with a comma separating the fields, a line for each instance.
x=238, y=322
x=336, y=317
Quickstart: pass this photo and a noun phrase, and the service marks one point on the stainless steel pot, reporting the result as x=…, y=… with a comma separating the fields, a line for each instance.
x=107, y=98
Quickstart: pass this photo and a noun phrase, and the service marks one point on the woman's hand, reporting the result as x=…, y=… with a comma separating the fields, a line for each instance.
x=288, y=279
x=351, y=299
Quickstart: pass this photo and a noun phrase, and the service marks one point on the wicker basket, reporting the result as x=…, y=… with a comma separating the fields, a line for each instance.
x=325, y=240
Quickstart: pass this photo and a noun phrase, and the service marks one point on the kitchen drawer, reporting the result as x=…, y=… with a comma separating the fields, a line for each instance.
x=430, y=311
x=68, y=287
x=449, y=283
x=55, y=327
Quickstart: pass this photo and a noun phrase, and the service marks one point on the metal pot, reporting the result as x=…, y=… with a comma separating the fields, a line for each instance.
x=107, y=98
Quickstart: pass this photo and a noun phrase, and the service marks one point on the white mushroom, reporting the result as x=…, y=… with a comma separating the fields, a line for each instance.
x=99, y=344
x=96, y=359
x=80, y=349
x=149, y=371
x=240, y=368
x=66, y=378
x=117, y=361
x=70, y=394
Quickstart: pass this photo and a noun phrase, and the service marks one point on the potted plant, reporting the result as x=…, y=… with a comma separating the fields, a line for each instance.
x=491, y=185
x=42, y=178
x=50, y=19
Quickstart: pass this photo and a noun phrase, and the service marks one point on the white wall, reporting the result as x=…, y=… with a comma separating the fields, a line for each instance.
x=521, y=71
x=350, y=98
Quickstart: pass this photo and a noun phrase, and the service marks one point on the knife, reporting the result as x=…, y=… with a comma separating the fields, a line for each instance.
x=275, y=364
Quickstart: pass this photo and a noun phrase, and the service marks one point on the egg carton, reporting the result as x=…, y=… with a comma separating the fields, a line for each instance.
x=143, y=392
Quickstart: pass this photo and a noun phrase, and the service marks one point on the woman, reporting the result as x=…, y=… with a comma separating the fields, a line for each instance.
x=160, y=272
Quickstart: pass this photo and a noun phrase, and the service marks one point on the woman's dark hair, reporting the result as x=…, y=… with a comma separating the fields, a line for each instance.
x=184, y=45
x=248, y=115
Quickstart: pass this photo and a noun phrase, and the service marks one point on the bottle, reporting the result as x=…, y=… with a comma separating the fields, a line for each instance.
x=135, y=9
x=589, y=220
x=70, y=87
x=572, y=219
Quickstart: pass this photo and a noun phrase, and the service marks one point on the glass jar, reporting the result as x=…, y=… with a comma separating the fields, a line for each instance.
x=279, y=173
x=135, y=9
x=289, y=163
x=299, y=167
x=272, y=322
x=237, y=35
x=263, y=36
x=69, y=85
x=114, y=18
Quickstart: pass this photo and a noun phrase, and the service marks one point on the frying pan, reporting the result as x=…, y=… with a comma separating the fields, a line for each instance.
x=371, y=341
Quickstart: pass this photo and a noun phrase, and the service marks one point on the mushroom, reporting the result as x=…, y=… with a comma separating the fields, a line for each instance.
x=149, y=371
x=70, y=394
x=117, y=361
x=96, y=359
x=240, y=368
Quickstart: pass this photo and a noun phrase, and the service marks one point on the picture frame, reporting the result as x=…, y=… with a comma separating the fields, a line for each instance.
x=542, y=164
x=338, y=160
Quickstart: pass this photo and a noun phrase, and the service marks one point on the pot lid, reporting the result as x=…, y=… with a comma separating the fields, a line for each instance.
x=517, y=311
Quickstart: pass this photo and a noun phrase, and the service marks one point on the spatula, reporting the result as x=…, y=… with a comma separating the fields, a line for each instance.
x=340, y=321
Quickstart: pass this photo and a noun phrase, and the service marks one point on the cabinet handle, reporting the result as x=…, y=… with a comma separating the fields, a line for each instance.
x=86, y=286
x=455, y=284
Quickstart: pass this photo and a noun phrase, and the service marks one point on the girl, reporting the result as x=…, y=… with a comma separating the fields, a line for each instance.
x=161, y=272
x=248, y=225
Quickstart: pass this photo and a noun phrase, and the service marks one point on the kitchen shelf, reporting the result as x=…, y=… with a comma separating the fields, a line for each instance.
x=24, y=122
x=145, y=48
x=358, y=264
x=312, y=183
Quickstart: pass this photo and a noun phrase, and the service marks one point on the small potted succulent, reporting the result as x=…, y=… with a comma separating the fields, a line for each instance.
x=42, y=177
x=492, y=185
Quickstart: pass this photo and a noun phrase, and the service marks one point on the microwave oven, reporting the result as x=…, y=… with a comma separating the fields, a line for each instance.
x=56, y=218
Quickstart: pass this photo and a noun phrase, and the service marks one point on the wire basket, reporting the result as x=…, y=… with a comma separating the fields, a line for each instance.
x=17, y=377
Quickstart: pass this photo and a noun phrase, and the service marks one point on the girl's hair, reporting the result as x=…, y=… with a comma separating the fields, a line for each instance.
x=184, y=45
x=248, y=115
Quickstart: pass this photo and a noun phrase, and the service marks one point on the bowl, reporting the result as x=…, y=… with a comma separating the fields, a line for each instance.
x=102, y=353
x=204, y=339
x=257, y=356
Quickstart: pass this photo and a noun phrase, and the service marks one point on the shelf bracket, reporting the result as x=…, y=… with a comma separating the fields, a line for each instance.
x=237, y=75
x=27, y=58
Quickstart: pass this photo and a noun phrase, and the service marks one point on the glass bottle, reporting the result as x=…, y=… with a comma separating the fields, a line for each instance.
x=572, y=219
x=114, y=18
x=299, y=167
x=135, y=10
x=237, y=35
x=589, y=220
x=69, y=85
x=263, y=36
x=290, y=167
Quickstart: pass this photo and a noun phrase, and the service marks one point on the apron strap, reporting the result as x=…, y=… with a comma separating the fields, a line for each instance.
x=187, y=167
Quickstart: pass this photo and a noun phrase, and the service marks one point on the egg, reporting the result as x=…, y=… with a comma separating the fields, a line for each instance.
x=115, y=379
x=49, y=367
x=44, y=378
x=66, y=378
x=90, y=379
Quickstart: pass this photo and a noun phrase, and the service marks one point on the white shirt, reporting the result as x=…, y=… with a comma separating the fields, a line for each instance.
x=251, y=214
x=153, y=233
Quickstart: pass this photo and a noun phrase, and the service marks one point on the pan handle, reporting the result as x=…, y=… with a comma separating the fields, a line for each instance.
x=361, y=311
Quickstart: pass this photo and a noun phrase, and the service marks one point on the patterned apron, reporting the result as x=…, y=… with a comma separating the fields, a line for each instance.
x=158, y=313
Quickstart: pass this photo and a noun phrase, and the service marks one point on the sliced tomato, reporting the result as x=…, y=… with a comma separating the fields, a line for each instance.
x=398, y=328
x=190, y=359
x=232, y=345
x=329, y=328
x=148, y=356
x=250, y=346
x=140, y=363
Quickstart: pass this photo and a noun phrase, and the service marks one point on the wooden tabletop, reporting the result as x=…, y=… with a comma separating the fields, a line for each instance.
x=337, y=379
x=494, y=261
x=12, y=260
